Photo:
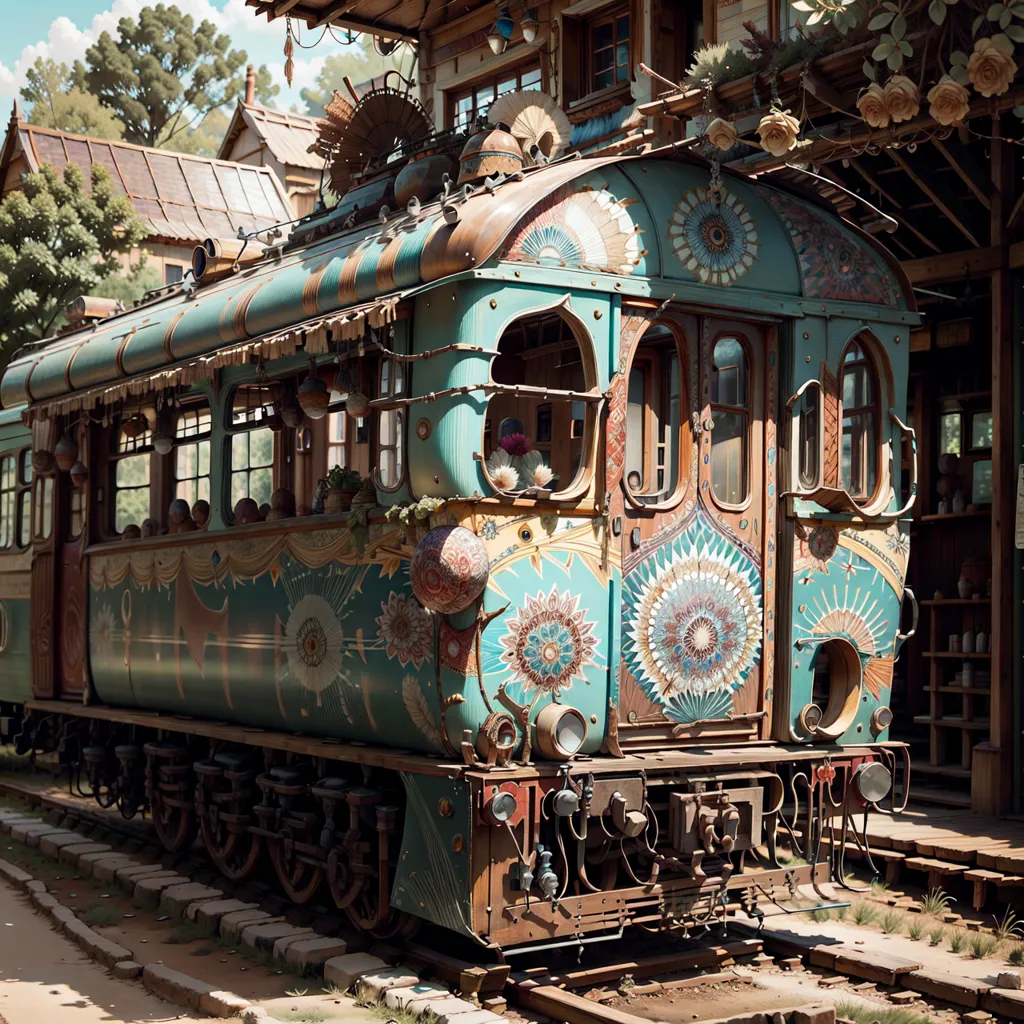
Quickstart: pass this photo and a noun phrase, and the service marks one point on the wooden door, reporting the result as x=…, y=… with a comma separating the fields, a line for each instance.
x=695, y=531
x=72, y=650
x=44, y=589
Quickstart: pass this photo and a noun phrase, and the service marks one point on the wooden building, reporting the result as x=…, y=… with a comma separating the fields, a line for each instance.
x=946, y=200
x=181, y=198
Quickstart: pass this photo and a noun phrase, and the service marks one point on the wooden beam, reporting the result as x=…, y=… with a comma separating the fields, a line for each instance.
x=903, y=221
x=1018, y=208
x=960, y=159
x=283, y=8
x=934, y=196
x=955, y=266
x=336, y=11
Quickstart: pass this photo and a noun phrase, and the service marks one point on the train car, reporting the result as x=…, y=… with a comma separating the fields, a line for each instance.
x=526, y=561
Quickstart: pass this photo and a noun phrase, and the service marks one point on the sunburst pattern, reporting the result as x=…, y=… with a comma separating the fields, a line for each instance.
x=693, y=622
x=716, y=241
x=312, y=644
x=589, y=228
x=405, y=630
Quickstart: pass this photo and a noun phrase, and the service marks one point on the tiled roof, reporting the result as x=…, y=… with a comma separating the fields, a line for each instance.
x=180, y=197
x=287, y=136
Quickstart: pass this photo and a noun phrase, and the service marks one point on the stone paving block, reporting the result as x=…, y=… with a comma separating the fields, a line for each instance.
x=127, y=969
x=949, y=987
x=45, y=901
x=20, y=831
x=342, y=971
x=1007, y=1002
x=175, y=900
x=7, y=824
x=477, y=1016
x=88, y=861
x=34, y=885
x=801, y=1015
x=52, y=845
x=405, y=998
x=107, y=952
x=127, y=874
x=222, y=1004
x=231, y=925
x=35, y=837
x=71, y=854
x=61, y=915
x=446, y=1008
x=174, y=986
x=283, y=944
x=306, y=954
x=106, y=870
x=208, y=914
x=13, y=874
x=262, y=936
x=54, y=816
x=372, y=985
x=149, y=888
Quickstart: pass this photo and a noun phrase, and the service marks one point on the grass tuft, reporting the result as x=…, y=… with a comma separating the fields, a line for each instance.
x=101, y=915
x=1009, y=926
x=864, y=913
x=841, y=912
x=957, y=940
x=915, y=929
x=936, y=935
x=824, y=914
x=892, y=922
x=938, y=901
x=982, y=945
x=870, y=1013
x=879, y=888
x=1016, y=956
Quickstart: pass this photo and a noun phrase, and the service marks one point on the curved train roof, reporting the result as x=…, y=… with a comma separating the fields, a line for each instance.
x=638, y=217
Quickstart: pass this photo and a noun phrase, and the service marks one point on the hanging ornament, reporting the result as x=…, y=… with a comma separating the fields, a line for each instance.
x=66, y=453
x=289, y=52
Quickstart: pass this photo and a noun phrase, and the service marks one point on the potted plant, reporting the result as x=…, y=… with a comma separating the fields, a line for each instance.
x=342, y=485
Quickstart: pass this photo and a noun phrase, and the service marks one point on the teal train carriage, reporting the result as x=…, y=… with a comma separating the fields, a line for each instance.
x=522, y=562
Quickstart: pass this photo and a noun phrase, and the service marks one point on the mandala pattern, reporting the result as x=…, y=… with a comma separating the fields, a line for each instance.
x=456, y=649
x=589, y=228
x=832, y=264
x=549, y=643
x=715, y=241
x=693, y=622
x=405, y=630
x=102, y=632
x=815, y=545
x=312, y=643
x=449, y=569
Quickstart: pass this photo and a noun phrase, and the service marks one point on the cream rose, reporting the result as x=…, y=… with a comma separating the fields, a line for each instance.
x=948, y=101
x=990, y=68
x=902, y=98
x=721, y=134
x=778, y=132
x=872, y=106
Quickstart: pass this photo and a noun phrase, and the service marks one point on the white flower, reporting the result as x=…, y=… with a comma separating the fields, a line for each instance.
x=991, y=68
x=902, y=98
x=312, y=643
x=505, y=478
x=949, y=101
x=778, y=132
x=872, y=106
x=542, y=476
x=721, y=134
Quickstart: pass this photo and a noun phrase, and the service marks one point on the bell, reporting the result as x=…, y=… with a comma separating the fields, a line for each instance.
x=490, y=151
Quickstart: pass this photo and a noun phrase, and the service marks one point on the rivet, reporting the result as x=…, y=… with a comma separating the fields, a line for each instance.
x=802, y=609
x=593, y=719
x=494, y=303
x=823, y=309
x=807, y=359
x=597, y=314
x=807, y=334
x=897, y=339
x=458, y=842
x=518, y=274
x=445, y=807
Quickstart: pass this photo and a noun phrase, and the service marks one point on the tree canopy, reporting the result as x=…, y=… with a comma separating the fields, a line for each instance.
x=162, y=73
x=360, y=62
x=59, y=100
x=58, y=241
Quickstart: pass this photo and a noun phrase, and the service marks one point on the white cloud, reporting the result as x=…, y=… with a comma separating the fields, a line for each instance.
x=67, y=42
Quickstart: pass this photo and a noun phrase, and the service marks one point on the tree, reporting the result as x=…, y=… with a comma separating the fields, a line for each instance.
x=163, y=73
x=202, y=140
x=58, y=241
x=59, y=101
x=360, y=63
x=265, y=88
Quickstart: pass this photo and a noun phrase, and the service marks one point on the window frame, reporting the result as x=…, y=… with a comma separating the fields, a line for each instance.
x=469, y=89
x=664, y=501
x=401, y=426
x=870, y=362
x=747, y=411
x=11, y=491
x=116, y=457
x=269, y=421
x=195, y=404
x=591, y=25
x=20, y=489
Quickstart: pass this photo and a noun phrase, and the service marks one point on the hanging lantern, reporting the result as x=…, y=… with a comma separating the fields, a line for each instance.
x=163, y=435
x=357, y=405
x=79, y=474
x=501, y=32
x=529, y=25
x=66, y=453
x=291, y=411
x=314, y=397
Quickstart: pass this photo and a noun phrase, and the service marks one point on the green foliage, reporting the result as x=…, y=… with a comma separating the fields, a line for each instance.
x=824, y=914
x=1009, y=926
x=935, y=936
x=58, y=241
x=343, y=478
x=957, y=940
x=982, y=945
x=879, y=888
x=59, y=101
x=266, y=91
x=871, y=1013
x=161, y=73
x=131, y=287
x=915, y=929
x=937, y=902
x=892, y=921
x=417, y=512
x=101, y=915
x=864, y=913
x=360, y=62
x=1016, y=956
x=203, y=139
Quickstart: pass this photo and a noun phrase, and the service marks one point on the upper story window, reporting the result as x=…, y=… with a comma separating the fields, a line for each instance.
x=390, y=426
x=254, y=419
x=192, y=425
x=608, y=50
x=8, y=504
x=132, y=468
x=337, y=430
x=467, y=104
x=730, y=415
x=654, y=417
x=25, y=498
x=858, y=453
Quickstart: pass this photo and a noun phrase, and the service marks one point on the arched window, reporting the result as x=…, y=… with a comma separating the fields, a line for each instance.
x=858, y=454
x=655, y=405
x=730, y=414
x=192, y=426
x=391, y=426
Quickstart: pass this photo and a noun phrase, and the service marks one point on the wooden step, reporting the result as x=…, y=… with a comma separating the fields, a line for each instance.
x=937, y=870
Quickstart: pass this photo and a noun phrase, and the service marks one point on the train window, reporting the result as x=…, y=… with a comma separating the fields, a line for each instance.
x=8, y=488
x=730, y=415
x=858, y=390
x=192, y=425
x=43, y=507
x=390, y=426
x=654, y=417
x=255, y=418
x=134, y=445
x=25, y=499
x=541, y=438
x=809, y=439
x=337, y=430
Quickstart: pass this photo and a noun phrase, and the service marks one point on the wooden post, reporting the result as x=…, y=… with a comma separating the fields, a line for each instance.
x=992, y=767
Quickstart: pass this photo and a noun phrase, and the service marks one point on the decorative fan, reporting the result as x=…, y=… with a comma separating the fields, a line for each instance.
x=535, y=119
x=351, y=137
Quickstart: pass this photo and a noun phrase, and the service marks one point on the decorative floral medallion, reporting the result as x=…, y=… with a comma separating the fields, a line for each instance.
x=102, y=632
x=693, y=622
x=312, y=643
x=815, y=545
x=549, y=643
x=715, y=241
x=449, y=569
x=456, y=648
x=404, y=628
x=587, y=228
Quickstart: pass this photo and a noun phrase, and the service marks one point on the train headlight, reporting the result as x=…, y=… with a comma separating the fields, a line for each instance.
x=561, y=732
x=872, y=781
x=499, y=809
x=881, y=719
x=810, y=718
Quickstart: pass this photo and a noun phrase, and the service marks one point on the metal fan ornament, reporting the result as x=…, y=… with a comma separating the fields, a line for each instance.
x=536, y=122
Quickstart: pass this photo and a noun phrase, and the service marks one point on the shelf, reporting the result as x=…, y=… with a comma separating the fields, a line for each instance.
x=936, y=517
x=949, y=770
x=950, y=722
x=956, y=654
x=933, y=602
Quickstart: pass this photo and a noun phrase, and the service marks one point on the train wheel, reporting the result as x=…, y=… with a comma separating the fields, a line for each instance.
x=299, y=878
x=170, y=788
x=224, y=800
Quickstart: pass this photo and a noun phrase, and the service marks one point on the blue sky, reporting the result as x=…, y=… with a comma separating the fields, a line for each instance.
x=63, y=29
